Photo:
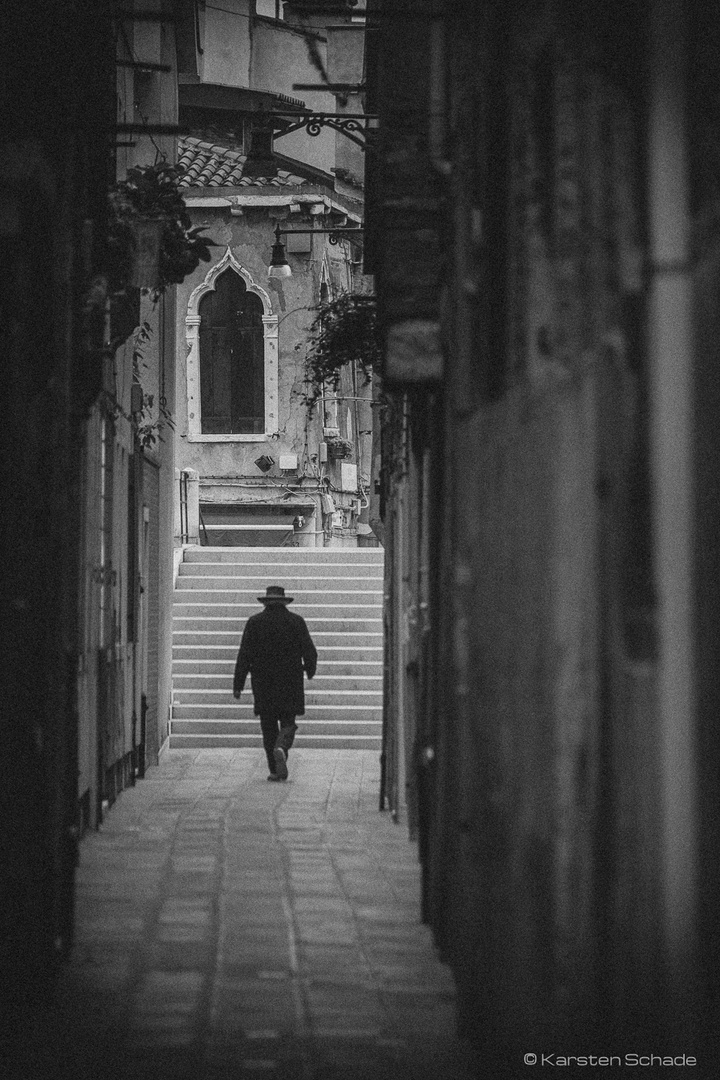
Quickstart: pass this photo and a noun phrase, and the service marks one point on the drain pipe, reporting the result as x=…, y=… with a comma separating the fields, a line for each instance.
x=671, y=449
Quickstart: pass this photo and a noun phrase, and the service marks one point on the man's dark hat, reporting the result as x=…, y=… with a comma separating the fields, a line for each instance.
x=275, y=594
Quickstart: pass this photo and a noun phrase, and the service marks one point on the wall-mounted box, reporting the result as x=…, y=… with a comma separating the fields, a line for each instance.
x=298, y=243
x=288, y=462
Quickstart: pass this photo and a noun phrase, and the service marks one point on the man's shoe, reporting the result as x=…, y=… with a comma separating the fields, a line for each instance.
x=273, y=776
x=280, y=763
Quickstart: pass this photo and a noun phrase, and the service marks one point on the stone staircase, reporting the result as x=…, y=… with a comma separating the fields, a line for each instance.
x=338, y=591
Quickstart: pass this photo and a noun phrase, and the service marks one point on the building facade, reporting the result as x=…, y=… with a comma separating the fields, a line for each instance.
x=263, y=467
x=549, y=505
x=58, y=120
x=127, y=469
x=91, y=96
x=255, y=464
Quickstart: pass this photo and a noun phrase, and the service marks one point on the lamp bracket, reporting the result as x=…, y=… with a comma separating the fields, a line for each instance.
x=334, y=235
x=352, y=125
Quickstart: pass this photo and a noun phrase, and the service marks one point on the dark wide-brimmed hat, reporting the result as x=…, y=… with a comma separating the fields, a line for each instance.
x=275, y=594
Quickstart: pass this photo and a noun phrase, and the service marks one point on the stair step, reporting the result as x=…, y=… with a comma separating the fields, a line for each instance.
x=289, y=556
x=243, y=710
x=310, y=612
x=215, y=576
x=202, y=655
x=218, y=684
x=183, y=668
x=223, y=624
x=363, y=577
x=329, y=696
x=307, y=742
x=228, y=632
x=247, y=727
x=347, y=640
x=303, y=598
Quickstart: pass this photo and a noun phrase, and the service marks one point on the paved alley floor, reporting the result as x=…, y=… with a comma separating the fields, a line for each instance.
x=231, y=927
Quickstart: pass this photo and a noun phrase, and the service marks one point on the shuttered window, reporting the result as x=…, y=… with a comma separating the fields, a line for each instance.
x=232, y=377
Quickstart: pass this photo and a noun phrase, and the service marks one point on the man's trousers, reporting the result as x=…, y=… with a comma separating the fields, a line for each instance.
x=278, y=731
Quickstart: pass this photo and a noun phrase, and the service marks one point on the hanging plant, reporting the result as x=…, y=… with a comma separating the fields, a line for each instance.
x=344, y=331
x=339, y=448
x=151, y=240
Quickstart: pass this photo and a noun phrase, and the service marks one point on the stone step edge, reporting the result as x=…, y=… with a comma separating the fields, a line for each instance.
x=377, y=648
x=252, y=578
x=231, y=663
x=204, y=681
x=235, y=742
x=318, y=633
x=308, y=690
x=209, y=605
x=257, y=737
x=251, y=724
x=230, y=618
x=371, y=564
x=221, y=675
x=370, y=597
x=376, y=554
x=311, y=710
x=229, y=598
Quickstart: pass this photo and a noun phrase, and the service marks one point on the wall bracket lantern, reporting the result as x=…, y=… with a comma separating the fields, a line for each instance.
x=280, y=267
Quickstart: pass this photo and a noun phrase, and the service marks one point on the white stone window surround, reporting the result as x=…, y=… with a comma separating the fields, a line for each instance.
x=270, y=348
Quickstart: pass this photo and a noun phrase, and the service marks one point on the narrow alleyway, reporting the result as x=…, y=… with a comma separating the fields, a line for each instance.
x=227, y=927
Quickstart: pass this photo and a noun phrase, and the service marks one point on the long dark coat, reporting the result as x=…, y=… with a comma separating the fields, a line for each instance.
x=276, y=649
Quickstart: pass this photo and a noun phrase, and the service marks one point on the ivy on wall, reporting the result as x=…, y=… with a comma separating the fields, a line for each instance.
x=151, y=244
x=345, y=331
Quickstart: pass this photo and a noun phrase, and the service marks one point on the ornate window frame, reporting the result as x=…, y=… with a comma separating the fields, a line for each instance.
x=270, y=347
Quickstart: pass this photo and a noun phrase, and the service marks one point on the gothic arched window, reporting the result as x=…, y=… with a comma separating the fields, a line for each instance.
x=232, y=376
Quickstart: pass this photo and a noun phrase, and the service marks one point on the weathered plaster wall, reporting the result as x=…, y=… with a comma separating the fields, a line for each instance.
x=541, y=780
x=345, y=55
x=279, y=59
x=546, y=699
x=523, y=655
x=226, y=43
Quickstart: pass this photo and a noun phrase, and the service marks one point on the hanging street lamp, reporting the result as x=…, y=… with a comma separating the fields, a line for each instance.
x=280, y=267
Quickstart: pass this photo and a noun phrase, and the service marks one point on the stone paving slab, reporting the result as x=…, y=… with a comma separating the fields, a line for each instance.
x=232, y=928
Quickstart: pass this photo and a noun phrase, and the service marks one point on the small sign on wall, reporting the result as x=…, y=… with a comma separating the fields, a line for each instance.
x=348, y=476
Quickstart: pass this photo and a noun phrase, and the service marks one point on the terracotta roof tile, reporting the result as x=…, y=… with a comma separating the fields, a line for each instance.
x=204, y=164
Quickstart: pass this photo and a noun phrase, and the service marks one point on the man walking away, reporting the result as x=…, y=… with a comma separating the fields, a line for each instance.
x=276, y=648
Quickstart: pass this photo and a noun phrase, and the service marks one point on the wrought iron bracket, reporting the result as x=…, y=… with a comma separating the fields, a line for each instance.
x=334, y=235
x=351, y=125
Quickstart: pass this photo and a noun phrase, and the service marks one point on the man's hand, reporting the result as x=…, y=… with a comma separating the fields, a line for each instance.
x=236, y=694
